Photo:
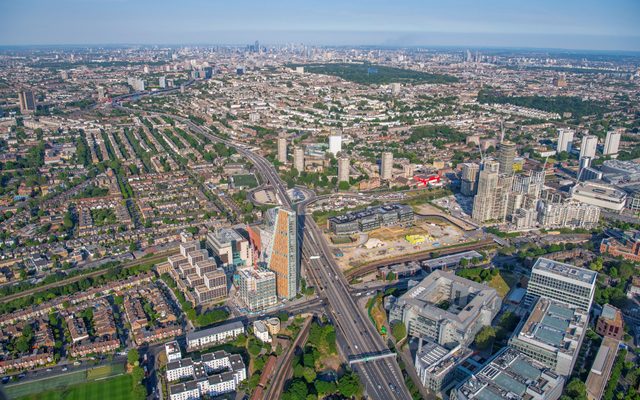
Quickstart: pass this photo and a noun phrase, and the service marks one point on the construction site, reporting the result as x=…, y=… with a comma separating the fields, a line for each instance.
x=425, y=234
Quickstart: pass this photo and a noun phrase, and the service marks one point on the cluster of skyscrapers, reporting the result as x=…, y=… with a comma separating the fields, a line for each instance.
x=263, y=263
x=300, y=161
x=500, y=195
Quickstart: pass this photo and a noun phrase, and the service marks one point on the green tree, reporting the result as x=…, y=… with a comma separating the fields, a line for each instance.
x=309, y=374
x=297, y=390
x=254, y=348
x=324, y=388
x=398, y=330
x=298, y=371
x=133, y=357
x=22, y=344
x=485, y=337
x=349, y=384
x=241, y=340
x=308, y=360
x=576, y=389
x=283, y=316
x=138, y=390
x=596, y=265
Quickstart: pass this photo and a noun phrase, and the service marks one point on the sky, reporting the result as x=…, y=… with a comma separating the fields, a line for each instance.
x=567, y=24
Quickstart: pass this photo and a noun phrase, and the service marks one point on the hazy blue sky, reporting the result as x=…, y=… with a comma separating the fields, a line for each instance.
x=576, y=24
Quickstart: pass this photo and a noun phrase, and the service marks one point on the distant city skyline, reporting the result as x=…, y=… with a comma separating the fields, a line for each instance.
x=572, y=24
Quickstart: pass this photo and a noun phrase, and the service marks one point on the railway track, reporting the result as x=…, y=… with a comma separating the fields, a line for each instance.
x=362, y=270
x=157, y=257
x=274, y=392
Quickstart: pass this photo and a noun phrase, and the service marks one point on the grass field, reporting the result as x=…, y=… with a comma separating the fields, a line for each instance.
x=500, y=285
x=35, y=387
x=105, y=371
x=117, y=388
x=59, y=384
x=245, y=180
x=376, y=312
x=374, y=74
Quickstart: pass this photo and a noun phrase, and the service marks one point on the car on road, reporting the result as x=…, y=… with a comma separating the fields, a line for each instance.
x=65, y=369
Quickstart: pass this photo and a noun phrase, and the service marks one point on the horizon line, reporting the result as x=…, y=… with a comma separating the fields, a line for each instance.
x=267, y=44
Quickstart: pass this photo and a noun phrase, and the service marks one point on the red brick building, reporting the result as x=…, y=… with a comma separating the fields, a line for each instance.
x=610, y=322
x=627, y=245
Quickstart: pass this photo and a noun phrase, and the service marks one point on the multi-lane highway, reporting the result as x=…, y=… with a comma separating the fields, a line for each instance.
x=382, y=378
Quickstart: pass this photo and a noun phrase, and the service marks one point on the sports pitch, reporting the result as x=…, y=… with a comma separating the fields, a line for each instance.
x=116, y=388
x=62, y=386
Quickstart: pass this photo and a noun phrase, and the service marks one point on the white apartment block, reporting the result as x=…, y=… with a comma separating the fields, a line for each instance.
x=172, y=350
x=552, y=334
x=612, y=142
x=215, y=374
x=567, y=215
x=261, y=331
x=562, y=282
x=217, y=334
x=565, y=140
x=179, y=369
x=588, y=146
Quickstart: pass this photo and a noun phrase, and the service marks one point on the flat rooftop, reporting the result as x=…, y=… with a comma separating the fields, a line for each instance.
x=215, y=330
x=554, y=325
x=184, y=362
x=627, y=166
x=258, y=274
x=565, y=270
x=601, y=368
x=451, y=259
x=599, y=190
x=509, y=372
x=438, y=289
x=226, y=235
x=183, y=387
x=172, y=347
x=437, y=359
x=369, y=212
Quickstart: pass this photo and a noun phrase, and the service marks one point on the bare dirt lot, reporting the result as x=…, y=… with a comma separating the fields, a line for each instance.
x=397, y=240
